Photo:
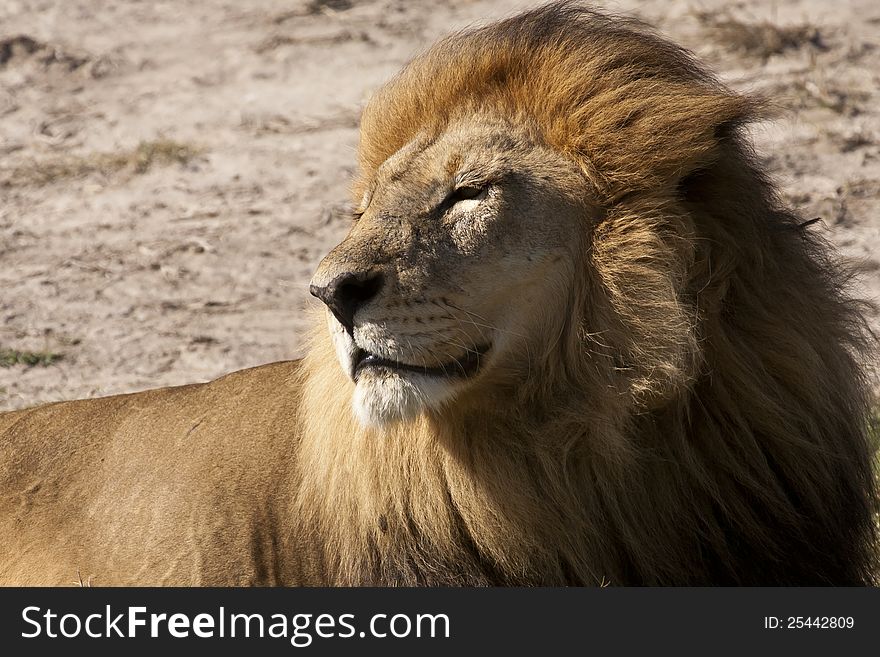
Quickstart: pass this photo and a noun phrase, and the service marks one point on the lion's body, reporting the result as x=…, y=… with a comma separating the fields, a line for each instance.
x=173, y=486
x=664, y=381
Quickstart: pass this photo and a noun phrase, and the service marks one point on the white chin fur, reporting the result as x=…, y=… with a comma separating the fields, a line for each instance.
x=383, y=398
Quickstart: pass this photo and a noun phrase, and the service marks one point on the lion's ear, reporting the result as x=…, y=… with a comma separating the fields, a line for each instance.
x=639, y=136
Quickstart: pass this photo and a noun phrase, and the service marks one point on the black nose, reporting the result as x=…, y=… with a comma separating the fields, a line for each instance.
x=345, y=294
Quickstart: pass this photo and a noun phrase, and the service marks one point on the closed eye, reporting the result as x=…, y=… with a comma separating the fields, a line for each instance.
x=466, y=193
x=358, y=211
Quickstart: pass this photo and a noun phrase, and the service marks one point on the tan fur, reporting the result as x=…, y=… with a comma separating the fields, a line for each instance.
x=672, y=393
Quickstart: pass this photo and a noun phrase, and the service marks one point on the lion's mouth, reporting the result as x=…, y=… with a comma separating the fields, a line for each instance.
x=463, y=367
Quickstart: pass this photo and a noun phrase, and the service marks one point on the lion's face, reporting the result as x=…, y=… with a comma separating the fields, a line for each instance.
x=450, y=277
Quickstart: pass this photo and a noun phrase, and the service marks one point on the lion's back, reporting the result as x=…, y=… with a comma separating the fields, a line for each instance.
x=106, y=483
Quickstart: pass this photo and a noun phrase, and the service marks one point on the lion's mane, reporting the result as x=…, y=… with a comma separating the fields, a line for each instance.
x=702, y=418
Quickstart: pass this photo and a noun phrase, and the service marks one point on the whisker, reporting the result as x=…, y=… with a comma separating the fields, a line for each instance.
x=475, y=351
x=487, y=325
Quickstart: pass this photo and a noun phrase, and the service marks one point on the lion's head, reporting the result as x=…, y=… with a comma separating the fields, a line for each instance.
x=456, y=277
x=502, y=173
x=567, y=267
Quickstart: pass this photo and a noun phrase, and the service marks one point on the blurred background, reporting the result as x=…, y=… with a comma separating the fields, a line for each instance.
x=172, y=172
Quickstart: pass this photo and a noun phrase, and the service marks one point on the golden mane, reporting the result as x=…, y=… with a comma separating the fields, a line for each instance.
x=701, y=421
x=634, y=110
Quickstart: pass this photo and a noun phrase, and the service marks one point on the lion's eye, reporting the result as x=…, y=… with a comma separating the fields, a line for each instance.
x=466, y=193
x=358, y=211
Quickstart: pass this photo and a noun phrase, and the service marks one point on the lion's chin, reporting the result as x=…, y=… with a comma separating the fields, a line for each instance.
x=385, y=398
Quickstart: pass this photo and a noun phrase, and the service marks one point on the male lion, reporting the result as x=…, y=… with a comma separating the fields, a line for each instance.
x=574, y=338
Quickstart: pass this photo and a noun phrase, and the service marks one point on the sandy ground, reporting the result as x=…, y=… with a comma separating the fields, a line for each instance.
x=171, y=173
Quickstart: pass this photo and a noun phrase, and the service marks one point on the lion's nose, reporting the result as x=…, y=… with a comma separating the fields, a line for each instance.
x=347, y=293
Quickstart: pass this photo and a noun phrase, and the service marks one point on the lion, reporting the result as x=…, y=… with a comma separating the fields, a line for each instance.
x=573, y=337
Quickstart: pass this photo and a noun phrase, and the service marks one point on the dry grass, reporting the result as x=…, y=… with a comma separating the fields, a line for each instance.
x=759, y=39
x=11, y=357
x=829, y=94
x=312, y=8
x=136, y=161
x=23, y=46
